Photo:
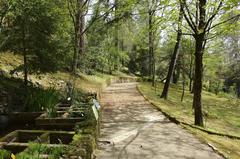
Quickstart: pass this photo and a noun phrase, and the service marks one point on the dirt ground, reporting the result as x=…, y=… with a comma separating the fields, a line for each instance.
x=133, y=129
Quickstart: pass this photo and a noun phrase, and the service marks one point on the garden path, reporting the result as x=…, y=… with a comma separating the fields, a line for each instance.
x=131, y=128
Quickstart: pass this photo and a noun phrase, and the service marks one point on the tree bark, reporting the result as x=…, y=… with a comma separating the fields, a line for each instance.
x=79, y=36
x=25, y=67
x=199, y=49
x=116, y=34
x=191, y=73
x=174, y=56
x=176, y=72
x=197, y=104
x=150, y=47
x=183, y=87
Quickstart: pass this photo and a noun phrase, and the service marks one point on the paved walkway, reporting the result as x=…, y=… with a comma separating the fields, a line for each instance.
x=133, y=129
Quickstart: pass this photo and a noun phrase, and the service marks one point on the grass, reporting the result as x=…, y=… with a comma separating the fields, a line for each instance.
x=228, y=147
x=35, y=150
x=10, y=61
x=221, y=114
x=57, y=80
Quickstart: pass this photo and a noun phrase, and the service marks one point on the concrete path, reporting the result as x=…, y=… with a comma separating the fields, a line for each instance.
x=133, y=129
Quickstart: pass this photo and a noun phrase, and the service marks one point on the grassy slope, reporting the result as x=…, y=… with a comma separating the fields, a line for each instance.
x=221, y=115
x=91, y=83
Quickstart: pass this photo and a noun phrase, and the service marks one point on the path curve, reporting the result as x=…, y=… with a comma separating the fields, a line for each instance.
x=133, y=129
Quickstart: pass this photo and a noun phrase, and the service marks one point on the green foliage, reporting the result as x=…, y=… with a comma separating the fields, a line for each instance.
x=31, y=28
x=220, y=113
x=82, y=105
x=215, y=86
x=4, y=154
x=40, y=99
x=35, y=150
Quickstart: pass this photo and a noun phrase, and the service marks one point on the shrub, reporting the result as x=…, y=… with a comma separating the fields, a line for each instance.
x=39, y=99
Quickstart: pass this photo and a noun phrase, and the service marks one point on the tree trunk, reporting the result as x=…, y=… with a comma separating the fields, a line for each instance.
x=238, y=90
x=116, y=35
x=183, y=87
x=25, y=67
x=190, y=84
x=197, y=99
x=122, y=49
x=176, y=73
x=174, y=56
x=190, y=73
x=79, y=36
x=150, y=41
x=150, y=46
x=75, y=55
x=183, y=78
x=199, y=48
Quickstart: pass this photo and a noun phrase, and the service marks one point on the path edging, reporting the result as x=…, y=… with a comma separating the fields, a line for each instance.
x=176, y=121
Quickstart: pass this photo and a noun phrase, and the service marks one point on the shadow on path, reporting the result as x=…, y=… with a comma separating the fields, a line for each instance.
x=133, y=129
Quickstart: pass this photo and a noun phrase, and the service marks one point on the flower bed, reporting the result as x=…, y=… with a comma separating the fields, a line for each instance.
x=18, y=140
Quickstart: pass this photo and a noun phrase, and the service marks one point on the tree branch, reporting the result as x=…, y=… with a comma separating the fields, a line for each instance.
x=71, y=12
x=225, y=21
x=188, y=17
x=213, y=16
x=96, y=18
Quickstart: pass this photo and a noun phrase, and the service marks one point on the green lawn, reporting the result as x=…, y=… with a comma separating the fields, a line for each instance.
x=221, y=114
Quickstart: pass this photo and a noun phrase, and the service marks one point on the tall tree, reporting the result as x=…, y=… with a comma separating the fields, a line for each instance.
x=151, y=13
x=28, y=30
x=5, y=6
x=174, y=55
x=201, y=28
x=77, y=11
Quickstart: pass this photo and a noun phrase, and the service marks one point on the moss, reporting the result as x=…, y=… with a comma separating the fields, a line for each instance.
x=87, y=142
x=74, y=150
x=83, y=145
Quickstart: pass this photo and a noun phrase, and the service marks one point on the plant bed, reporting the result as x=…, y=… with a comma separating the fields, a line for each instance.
x=21, y=136
x=63, y=122
x=64, y=105
x=83, y=145
x=19, y=140
x=57, y=137
x=15, y=147
x=62, y=108
x=17, y=118
x=41, y=151
x=60, y=138
x=16, y=141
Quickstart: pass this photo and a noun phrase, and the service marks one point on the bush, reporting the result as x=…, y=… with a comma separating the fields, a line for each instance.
x=39, y=100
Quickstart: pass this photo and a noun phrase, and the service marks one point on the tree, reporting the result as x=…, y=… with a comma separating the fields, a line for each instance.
x=77, y=11
x=174, y=55
x=4, y=8
x=201, y=28
x=29, y=26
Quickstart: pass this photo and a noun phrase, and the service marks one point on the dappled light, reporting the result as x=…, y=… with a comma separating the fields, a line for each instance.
x=119, y=79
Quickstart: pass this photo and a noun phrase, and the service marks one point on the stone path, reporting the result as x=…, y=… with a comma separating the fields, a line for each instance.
x=133, y=129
